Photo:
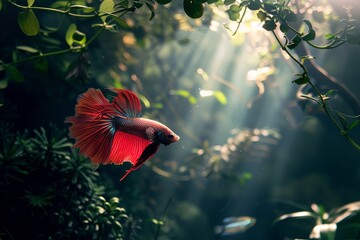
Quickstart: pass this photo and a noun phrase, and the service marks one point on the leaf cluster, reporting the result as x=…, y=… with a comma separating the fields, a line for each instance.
x=50, y=192
x=83, y=23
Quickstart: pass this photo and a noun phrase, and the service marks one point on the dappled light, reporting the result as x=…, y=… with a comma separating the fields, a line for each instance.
x=231, y=119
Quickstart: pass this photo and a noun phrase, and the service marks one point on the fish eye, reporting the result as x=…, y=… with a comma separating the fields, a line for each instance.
x=171, y=136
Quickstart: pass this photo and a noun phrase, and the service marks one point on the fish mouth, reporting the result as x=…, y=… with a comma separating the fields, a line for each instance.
x=174, y=139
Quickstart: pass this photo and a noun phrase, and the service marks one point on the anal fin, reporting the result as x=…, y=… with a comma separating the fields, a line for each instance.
x=126, y=147
x=148, y=152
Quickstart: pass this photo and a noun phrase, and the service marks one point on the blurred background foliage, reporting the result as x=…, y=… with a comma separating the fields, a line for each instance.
x=250, y=145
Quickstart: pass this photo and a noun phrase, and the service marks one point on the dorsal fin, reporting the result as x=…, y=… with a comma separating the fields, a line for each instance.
x=126, y=103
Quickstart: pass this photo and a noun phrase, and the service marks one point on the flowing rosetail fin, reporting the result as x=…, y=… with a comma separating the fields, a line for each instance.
x=148, y=152
x=126, y=103
x=92, y=127
x=99, y=135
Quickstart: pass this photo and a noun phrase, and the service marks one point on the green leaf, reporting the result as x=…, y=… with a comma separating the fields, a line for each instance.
x=2, y=66
x=331, y=91
x=254, y=5
x=261, y=16
x=220, y=96
x=80, y=9
x=185, y=94
x=233, y=16
x=74, y=37
x=182, y=93
x=28, y=23
x=14, y=74
x=81, y=38
x=152, y=10
x=294, y=42
x=4, y=83
x=193, y=9
x=107, y=6
x=158, y=105
x=284, y=27
x=310, y=35
x=235, y=8
x=157, y=222
x=330, y=36
x=30, y=2
x=308, y=23
x=229, y=2
x=289, y=15
x=0, y=5
x=60, y=4
x=269, y=25
x=353, y=124
x=121, y=22
x=245, y=3
x=306, y=57
x=87, y=9
x=301, y=80
x=270, y=8
x=145, y=101
x=27, y=49
x=69, y=34
x=123, y=4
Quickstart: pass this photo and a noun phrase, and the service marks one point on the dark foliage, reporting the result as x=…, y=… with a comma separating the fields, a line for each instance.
x=49, y=192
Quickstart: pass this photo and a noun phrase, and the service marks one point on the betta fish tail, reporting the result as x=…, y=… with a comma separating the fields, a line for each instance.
x=93, y=126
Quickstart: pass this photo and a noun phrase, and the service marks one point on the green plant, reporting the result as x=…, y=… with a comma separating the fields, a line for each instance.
x=279, y=17
x=51, y=192
x=288, y=19
x=339, y=223
x=107, y=15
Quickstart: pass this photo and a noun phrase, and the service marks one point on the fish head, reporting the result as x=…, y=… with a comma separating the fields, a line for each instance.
x=166, y=136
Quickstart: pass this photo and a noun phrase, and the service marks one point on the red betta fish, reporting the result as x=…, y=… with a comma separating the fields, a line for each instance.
x=114, y=132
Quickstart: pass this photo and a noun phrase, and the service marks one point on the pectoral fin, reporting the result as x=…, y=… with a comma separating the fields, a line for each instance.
x=148, y=152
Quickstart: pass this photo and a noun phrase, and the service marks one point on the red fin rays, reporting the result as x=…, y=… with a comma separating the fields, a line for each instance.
x=127, y=147
x=127, y=103
x=148, y=152
x=114, y=132
x=92, y=125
